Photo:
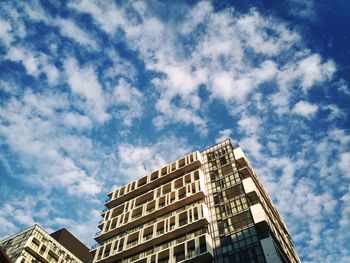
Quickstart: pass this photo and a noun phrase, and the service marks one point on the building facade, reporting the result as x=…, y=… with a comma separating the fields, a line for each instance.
x=208, y=206
x=35, y=245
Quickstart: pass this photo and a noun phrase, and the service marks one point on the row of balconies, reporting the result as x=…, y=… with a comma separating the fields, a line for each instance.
x=189, y=193
x=153, y=179
x=48, y=252
x=46, y=240
x=196, y=250
x=190, y=248
x=25, y=257
x=194, y=218
x=153, y=194
x=149, y=223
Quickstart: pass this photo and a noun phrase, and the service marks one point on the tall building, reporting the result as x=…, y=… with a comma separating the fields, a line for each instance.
x=208, y=206
x=35, y=245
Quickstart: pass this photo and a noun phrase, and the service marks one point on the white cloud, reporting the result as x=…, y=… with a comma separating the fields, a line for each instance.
x=249, y=124
x=172, y=113
x=84, y=83
x=228, y=86
x=223, y=135
x=253, y=29
x=5, y=29
x=138, y=160
x=130, y=97
x=312, y=71
x=52, y=73
x=305, y=109
x=69, y=29
x=29, y=61
x=32, y=129
x=252, y=146
x=76, y=120
x=35, y=63
x=344, y=164
x=196, y=16
x=107, y=15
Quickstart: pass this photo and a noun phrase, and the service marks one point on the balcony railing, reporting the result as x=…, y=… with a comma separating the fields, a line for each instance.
x=98, y=233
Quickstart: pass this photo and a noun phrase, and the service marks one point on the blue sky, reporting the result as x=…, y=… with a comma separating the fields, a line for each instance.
x=96, y=94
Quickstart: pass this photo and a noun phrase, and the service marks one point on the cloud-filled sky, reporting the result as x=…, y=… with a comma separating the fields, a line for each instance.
x=94, y=94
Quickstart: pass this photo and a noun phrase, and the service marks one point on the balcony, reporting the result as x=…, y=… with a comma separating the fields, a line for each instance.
x=240, y=157
x=159, y=177
x=138, y=241
x=251, y=190
x=260, y=217
x=155, y=208
x=200, y=250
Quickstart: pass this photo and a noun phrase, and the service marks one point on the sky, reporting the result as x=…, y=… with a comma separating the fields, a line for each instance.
x=94, y=94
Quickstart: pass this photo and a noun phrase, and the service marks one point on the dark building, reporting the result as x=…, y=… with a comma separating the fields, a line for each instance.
x=4, y=258
x=73, y=244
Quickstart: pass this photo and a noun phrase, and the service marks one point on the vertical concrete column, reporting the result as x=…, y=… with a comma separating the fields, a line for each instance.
x=177, y=221
x=197, y=245
x=171, y=255
x=154, y=233
x=144, y=208
x=97, y=253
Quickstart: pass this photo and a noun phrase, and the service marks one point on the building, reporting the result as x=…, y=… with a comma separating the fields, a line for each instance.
x=4, y=258
x=69, y=241
x=35, y=245
x=208, y=206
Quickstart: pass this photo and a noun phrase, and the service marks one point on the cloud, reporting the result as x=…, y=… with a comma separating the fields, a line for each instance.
x=29, y=61
x=5, y=35
x=252, y=146
x=313, y=71
x=344, y=164
x=69, y=29
x=138, y=160
x=34, y=63
x=253, y=28
x=77, y=121
x=84, y=83
x=108, y=16
x=31, y=128
x=305, y=109
x=129, y=97
x=249, y=124
x=223, y=135
x=303, y=9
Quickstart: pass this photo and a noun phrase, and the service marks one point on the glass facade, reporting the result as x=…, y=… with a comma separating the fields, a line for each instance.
x=232, y=228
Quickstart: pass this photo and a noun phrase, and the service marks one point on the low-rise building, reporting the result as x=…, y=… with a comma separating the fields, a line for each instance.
x=35, y=245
